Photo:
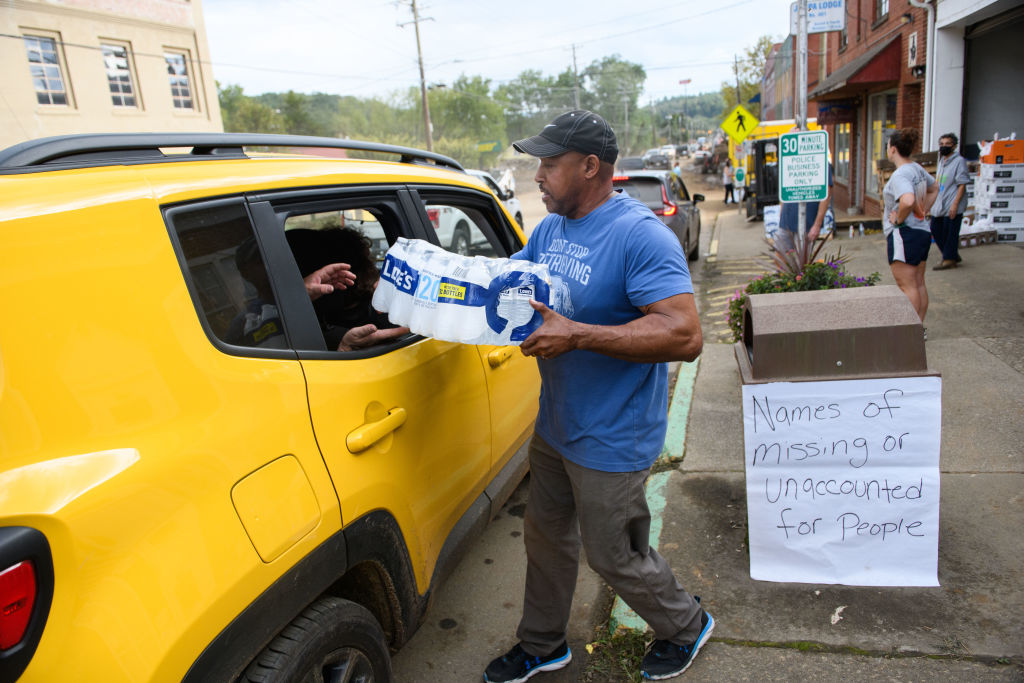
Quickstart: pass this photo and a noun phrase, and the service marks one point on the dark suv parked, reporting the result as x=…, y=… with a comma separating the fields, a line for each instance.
x=665, y=194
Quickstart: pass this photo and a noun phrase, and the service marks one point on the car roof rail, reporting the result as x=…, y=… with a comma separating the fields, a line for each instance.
x=99, y=149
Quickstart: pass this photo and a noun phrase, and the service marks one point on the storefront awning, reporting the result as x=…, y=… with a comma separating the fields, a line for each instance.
x=880, y=64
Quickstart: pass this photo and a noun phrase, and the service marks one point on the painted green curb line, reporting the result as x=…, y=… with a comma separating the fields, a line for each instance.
x=679, y=411
x=622, y=617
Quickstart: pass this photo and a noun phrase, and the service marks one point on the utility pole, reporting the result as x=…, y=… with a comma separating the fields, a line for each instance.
x=423, y=79
x=575, y=80
x=654, y=124
x=736, y=69
x=625, y=102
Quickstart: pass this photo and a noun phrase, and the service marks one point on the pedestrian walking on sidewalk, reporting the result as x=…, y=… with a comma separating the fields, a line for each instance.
x=909, y=195
x=948, y=210
x=727, y=180
x=622, y=305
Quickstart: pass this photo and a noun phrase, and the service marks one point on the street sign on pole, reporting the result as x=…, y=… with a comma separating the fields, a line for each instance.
x=803, y=166
x=822, y=16
x=739, y=123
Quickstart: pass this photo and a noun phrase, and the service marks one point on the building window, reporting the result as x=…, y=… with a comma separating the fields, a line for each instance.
x=177, y=72
x=881, y=9
x=881, y=122
x=119, y=75
x=44, y=62
x=842, y=166
x=843, y=39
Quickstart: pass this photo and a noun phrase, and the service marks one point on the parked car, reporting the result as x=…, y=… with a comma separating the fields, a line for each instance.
x=665, y=193
x=504, y=191
x=196, y=485
x=656, y=158
x=630, y=163
x=670, y=152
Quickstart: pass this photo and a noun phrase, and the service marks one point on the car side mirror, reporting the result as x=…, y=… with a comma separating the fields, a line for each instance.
x=698, y=198
x=509, y=194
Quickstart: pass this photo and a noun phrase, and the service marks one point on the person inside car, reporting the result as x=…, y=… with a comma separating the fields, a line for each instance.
x=346, y=315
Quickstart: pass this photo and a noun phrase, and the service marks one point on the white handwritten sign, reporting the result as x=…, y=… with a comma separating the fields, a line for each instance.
x=843, y=481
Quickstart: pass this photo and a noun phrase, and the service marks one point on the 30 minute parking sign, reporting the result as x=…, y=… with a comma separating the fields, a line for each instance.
x=803, y=166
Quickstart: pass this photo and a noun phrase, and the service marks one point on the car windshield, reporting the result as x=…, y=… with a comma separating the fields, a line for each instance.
x=646, y=190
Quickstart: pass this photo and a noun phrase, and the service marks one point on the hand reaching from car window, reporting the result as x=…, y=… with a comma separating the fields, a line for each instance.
x=325, y=280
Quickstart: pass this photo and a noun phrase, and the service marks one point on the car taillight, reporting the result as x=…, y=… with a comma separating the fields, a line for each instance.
x=433, y=215
x=17, y=596
x=619, y=178
x=667, y=208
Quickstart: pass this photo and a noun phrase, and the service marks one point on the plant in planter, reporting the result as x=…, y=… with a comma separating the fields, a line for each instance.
x=791, y=276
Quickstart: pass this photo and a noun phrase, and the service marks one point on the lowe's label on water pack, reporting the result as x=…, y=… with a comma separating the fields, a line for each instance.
x=471, y=300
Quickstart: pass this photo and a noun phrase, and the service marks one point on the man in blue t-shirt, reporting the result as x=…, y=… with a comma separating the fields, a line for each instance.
x=621, y=305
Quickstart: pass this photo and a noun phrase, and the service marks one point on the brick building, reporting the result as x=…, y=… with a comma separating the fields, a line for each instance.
x=875, y=84
x=779, y=82
x=89, y=66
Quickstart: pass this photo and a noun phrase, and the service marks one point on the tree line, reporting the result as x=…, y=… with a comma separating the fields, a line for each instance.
x=472, y=112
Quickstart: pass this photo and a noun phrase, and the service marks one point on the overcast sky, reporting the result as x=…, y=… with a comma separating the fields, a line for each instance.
x=356, y=47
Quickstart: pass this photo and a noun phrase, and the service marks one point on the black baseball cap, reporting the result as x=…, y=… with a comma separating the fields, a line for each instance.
x=578, y=130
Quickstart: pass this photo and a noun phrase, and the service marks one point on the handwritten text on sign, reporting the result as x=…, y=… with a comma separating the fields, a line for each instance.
x=843, y=481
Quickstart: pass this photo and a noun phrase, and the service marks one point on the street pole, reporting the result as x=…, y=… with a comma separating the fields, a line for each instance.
x=575, y=80
x=423, y=79
x=685, y=82
x=801, y=99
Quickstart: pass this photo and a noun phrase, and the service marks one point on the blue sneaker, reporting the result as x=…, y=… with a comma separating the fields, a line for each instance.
x=517, y=665
x=665, y=659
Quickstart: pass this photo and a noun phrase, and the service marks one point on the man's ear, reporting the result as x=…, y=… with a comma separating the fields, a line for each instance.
x=591, y=166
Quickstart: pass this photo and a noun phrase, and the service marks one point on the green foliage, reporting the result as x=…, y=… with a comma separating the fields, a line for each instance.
x=747, y=72
x=827, y=273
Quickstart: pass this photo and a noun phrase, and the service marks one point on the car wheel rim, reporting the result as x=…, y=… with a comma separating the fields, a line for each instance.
x=347, y=665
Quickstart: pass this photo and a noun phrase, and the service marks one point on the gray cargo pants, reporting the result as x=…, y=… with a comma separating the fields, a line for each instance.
x=608, y=511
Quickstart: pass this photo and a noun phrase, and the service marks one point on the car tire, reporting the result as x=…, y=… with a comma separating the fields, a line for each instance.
x=460, y=239
x=333, y=639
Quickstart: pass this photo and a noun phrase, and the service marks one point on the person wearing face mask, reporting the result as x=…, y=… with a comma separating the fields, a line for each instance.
x=948, y=210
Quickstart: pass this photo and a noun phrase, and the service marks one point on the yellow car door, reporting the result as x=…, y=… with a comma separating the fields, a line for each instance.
x=513, y=382
x=403, y=426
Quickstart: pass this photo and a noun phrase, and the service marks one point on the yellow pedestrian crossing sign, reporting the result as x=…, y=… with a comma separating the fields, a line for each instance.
x=739, y=123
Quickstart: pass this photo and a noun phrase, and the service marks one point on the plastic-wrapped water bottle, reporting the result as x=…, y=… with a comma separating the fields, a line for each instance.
x=456, y=298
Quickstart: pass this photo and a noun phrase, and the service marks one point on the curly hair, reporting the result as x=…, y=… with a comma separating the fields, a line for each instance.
x=904, y=140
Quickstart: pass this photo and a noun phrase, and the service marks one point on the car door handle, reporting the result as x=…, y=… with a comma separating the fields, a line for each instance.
x=364, y=436
x=498, y=357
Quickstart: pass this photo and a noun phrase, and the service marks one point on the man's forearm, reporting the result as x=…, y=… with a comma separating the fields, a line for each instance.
x=652, y=338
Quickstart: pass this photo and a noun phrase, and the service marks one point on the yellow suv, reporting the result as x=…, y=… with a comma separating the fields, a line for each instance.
x=195, y=483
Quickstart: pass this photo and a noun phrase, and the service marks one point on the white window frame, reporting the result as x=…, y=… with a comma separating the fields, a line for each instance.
x=132, y=93
x=178, y=99
x=844, y=149
x=877, y=137
x=44, y=70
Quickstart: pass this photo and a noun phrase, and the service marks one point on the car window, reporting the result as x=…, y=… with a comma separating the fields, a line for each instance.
x=230, y=281
x=646, y=190
x=680, y=189
x=345, y=231
x=461, y=229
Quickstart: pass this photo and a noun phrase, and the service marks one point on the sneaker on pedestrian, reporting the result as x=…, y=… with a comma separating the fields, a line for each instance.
x=665, y=659
x=517, y=665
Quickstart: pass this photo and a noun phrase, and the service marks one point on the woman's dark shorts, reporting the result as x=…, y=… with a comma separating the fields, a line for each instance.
x=908, y=245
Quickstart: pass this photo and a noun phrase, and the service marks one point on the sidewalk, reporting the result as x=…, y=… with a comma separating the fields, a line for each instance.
x=961, y=630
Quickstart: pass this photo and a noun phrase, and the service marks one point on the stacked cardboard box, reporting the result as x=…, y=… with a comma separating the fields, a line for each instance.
x=999, y=190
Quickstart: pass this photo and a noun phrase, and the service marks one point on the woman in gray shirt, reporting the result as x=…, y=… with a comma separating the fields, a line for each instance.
x=908, y=196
